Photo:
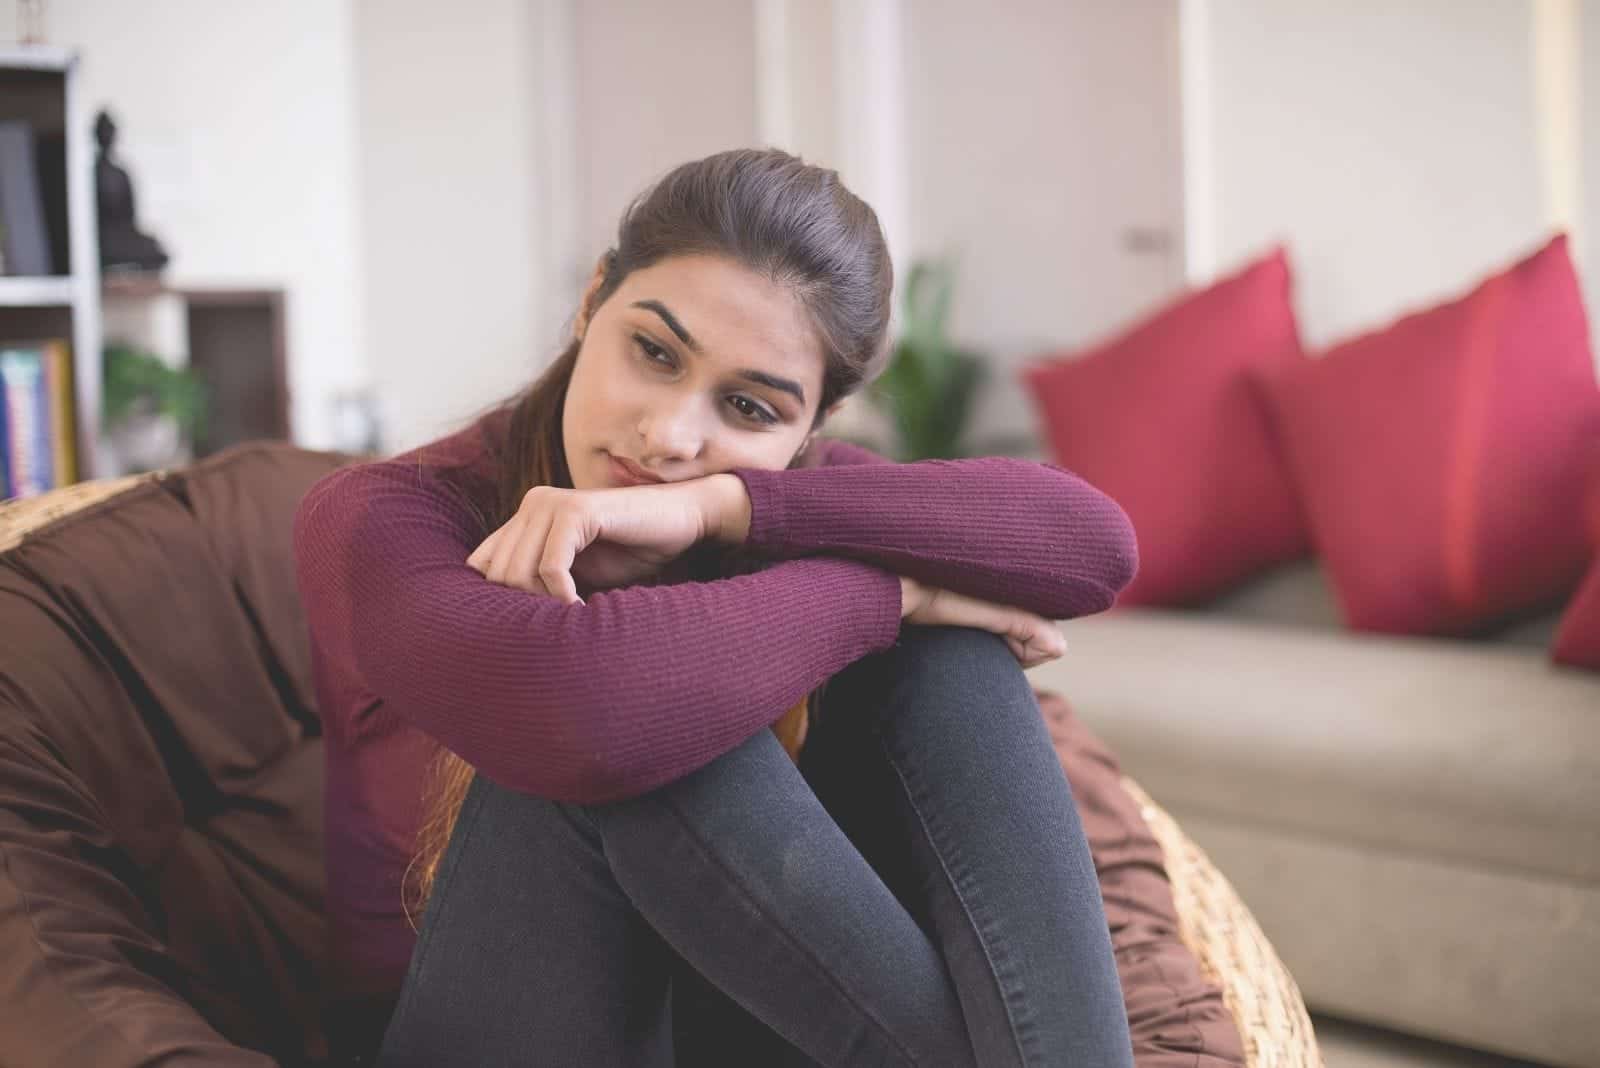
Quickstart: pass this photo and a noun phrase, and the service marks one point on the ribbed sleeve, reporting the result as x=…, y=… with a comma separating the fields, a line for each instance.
x=1027, y=534
x=585, y=703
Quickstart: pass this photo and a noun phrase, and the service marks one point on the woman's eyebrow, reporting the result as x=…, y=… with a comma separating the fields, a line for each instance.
x=787, y=385
x=671, y=321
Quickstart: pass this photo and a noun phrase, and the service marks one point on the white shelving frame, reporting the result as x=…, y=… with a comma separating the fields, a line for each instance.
x=79, y=291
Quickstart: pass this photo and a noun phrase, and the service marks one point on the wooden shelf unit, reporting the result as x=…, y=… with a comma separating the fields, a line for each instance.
x=39, y=83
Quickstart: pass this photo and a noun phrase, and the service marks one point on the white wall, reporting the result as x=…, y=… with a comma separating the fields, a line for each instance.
x=1392, y=145
x=449, y=187
x=1041, y=133
x=657, y=84
x=797, y=78
x=237, y=122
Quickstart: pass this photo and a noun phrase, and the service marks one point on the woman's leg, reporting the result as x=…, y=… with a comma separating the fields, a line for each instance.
x=543, y=940
x=753, y=883
x=529, y=953
x=750, y=881
x=934, y=759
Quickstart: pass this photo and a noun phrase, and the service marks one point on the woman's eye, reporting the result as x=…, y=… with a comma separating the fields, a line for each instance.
x=653, y=352
x=751, y=410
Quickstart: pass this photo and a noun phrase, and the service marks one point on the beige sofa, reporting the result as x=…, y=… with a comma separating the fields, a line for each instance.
x=1415, y=822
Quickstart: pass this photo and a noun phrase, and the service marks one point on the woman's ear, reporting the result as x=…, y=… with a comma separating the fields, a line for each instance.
x=580, y=325
x=812, y=437
x=829, y=414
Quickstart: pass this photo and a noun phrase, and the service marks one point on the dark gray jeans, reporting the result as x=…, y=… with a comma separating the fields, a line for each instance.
x=918, y=892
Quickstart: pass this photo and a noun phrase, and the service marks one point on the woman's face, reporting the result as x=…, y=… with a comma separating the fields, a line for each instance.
x=695, y=365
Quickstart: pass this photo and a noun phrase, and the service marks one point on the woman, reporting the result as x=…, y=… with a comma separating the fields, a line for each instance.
x=597, y=597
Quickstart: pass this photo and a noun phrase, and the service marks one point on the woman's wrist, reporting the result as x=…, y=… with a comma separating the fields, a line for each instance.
x=911, y=596
x=727, y=508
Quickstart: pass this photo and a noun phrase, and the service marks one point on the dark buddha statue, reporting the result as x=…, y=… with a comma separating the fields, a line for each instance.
x=122, y=246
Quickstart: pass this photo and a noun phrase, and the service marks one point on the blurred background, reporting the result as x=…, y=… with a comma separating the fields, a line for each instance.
x=427, y=184
x=354, y=223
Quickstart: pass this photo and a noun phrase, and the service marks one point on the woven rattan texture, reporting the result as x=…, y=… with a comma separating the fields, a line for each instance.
x=21, y=517
x=1219, y=930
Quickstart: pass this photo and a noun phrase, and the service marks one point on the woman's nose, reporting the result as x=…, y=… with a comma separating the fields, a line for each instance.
x=671, y=433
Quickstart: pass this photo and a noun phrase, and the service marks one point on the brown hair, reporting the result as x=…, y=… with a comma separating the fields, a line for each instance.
x=795, y=223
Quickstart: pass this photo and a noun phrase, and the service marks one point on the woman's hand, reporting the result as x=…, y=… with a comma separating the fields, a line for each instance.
x=605, y=538
x=1032, y=639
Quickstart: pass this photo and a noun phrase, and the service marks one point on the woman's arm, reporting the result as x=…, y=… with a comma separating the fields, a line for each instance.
x=998, y=529
x=585, y=703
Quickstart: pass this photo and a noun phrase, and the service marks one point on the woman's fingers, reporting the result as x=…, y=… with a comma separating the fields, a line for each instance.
x=479, y=560
x=561, y=547
x=498, y=556
x=643, y=527
x=1032, y=639
x=500, y=559
x=1039, y=638
x=522, y=572
x=534, y=552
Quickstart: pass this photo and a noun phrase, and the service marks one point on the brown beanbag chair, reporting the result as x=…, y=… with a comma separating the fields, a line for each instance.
x=1177, y=1016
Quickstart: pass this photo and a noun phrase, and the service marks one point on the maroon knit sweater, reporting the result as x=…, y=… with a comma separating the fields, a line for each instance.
x=640, y=685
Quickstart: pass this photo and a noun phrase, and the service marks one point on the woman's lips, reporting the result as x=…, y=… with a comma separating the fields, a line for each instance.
x=624, y=473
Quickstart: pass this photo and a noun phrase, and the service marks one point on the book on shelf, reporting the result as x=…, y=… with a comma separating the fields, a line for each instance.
x=37, y=417
x=24, y=233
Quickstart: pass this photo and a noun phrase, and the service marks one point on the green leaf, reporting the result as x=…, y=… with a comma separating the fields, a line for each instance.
x=133, y=378
x=929, y=387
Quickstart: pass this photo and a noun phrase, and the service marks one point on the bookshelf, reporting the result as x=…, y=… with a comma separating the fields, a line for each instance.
x=39, y=85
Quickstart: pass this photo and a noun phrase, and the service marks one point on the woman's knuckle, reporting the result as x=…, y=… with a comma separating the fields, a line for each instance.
x=542, y=496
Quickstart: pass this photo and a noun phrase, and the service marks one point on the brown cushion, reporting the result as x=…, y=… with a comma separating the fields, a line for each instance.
x=1177, y=1016
x=244, y=500
x=160, y=778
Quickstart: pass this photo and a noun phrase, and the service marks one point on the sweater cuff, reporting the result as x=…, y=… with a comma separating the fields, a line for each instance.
x=880, y=593
x=766, y=505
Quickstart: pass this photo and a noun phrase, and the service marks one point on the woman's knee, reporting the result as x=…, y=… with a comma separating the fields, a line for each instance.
x=948, y=650
x=753, y=777
x=932, y=668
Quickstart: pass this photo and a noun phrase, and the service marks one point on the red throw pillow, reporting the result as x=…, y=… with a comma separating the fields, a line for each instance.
x=1441, y=461
x=1164, y=420
x=1578, y=635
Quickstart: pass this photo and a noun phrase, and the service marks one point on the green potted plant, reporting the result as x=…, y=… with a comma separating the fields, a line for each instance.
x=153, y=413
x=929, y=386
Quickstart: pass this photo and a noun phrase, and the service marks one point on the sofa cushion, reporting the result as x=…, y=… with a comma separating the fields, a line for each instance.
x=160, y=788
x=1294, y=594
x=1469, y=752
x=1536, y=630
x=1298, y=594
x=1441, y=461
x=1480, y=956
x=1164, y=420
